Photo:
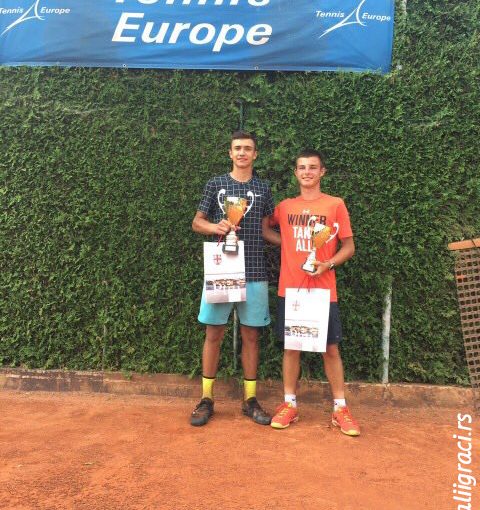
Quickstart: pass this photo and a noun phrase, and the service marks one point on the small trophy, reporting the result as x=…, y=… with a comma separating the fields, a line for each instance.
x=319, y=235
x=234, y=210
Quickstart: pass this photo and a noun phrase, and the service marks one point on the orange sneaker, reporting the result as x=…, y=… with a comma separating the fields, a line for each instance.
x=284, y=415
x=343, y=419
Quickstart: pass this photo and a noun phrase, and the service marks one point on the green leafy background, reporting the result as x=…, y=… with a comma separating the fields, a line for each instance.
x=101, y=172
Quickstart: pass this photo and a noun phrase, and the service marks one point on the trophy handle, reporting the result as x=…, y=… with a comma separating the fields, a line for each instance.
x=312, y=221
x=251, y=196
x=221, y=200
x=336, y=226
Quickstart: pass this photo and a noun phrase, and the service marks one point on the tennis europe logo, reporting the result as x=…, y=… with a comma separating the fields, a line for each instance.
x=356, y=17
x=35, y=12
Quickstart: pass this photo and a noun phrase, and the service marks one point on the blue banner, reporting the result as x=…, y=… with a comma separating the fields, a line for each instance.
x=289, y=35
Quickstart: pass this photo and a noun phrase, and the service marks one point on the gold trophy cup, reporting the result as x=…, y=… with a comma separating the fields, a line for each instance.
x=319, y=235
x=234, y=210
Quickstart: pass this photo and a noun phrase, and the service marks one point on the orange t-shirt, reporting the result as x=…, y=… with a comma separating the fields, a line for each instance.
x=293, y=216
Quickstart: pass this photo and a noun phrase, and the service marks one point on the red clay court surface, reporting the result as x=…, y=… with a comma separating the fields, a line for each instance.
x=92, y=451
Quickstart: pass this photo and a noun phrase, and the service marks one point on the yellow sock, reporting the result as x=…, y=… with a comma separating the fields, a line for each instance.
x=250, y=388
x=207, y=387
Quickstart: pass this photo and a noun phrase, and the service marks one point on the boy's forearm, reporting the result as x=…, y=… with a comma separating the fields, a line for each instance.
x=202, y=225
x=346, y=252
x=270, y=235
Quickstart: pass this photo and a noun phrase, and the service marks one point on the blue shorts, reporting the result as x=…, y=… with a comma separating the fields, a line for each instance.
x=252, y=312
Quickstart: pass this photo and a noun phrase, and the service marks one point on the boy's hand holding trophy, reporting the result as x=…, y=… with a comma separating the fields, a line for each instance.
x=319, y=235
x=234, y=211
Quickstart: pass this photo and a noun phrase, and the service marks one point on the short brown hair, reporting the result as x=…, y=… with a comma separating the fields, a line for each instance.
x=311, y=153
x=244, y=135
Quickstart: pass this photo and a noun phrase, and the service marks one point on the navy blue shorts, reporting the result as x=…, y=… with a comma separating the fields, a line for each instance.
x=334, y=335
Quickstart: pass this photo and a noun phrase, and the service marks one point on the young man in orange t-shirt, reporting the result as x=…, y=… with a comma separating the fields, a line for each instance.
x=293, y=216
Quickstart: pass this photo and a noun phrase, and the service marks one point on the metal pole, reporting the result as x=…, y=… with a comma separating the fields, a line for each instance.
x=386, y=321
x=235, y=338
x=240, y=120
x=235, y=315
x=104, y=348
x=387, y=308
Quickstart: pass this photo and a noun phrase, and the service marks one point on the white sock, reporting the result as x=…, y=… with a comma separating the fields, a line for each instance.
x=339, y=402
x=291, y=399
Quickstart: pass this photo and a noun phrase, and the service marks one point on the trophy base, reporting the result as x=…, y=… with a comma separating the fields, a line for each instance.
x=309, y=268
x=231, y=249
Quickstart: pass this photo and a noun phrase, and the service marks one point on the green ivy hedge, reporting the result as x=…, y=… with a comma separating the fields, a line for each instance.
x=101, y=172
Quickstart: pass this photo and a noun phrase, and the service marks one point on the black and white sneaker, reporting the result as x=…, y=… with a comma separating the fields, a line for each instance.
x=253, y=410
x=202, y=413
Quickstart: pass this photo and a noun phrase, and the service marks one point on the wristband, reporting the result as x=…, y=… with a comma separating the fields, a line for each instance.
x=331, y=266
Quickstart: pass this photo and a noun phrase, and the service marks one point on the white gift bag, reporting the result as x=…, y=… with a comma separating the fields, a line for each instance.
x=224, y=279
x=306, y=319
